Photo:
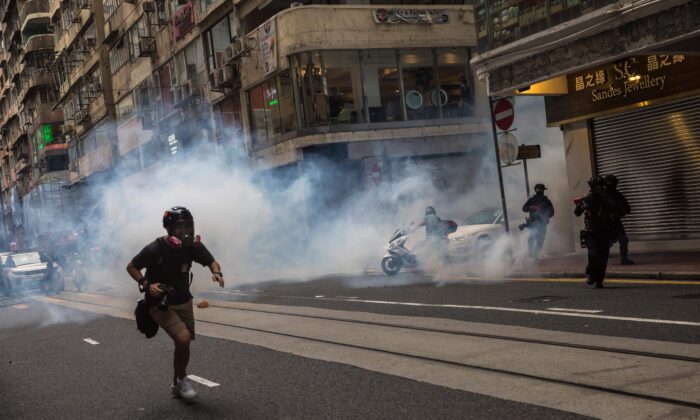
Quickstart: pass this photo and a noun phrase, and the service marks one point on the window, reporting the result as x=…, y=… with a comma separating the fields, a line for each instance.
x=381, y=86
x=119, y=55
x=454, y=82
x=125, y=109
x=257, y=116
x=421, y=96
x=343, y=81
x=219, y=38
x=312, y=89
x=285, y=94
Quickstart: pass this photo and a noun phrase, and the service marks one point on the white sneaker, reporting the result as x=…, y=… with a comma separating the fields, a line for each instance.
x=184, y=389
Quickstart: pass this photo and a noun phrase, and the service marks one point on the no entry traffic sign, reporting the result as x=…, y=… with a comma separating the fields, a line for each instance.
x=503, y=113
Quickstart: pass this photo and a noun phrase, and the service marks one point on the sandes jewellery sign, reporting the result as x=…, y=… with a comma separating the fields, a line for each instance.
x=620, y=84
x=410, y=15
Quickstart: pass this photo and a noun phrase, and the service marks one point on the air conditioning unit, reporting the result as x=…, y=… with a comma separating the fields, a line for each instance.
x=149, y=6
x=239, y=46
x=228, y=73
x=228, y=54
x=147, y=46
x=112, y=33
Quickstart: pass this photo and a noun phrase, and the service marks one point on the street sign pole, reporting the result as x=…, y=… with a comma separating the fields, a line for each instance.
x=498, y=166
x=527, y=181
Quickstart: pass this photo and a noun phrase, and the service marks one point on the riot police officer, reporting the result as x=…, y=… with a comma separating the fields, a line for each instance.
x=624, y=208
x=600, y=217
x=539, y=210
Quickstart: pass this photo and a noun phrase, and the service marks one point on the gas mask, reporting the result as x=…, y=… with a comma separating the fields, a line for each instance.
x=182, y=235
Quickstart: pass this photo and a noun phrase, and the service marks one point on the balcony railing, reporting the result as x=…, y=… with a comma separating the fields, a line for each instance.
x=39, y=42
x=31, y=7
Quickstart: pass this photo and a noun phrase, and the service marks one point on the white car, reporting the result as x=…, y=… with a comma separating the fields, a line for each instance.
x=479, y=232
x=30, y=270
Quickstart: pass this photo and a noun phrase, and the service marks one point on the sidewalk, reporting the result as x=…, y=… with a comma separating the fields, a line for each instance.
x=657, y=265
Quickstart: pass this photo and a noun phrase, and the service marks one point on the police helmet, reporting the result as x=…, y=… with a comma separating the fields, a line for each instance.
x=611, y=181
x=596, y=181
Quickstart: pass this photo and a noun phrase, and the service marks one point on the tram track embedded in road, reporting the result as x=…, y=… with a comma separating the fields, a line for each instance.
x=564, y=382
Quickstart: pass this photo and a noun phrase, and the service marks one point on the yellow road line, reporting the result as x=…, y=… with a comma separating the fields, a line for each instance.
x=623, y=281
x=572, y=280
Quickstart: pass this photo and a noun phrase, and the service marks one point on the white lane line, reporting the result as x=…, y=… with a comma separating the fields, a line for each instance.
x=20, y=306
x=494, y=308
x=319, y=296
x=582, y=311
x=91, y=341
x=203, y=381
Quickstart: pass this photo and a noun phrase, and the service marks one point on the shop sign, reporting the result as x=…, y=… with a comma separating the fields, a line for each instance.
x=183, y=21
x=628, y=82
x=410, y=15
x=267, y=37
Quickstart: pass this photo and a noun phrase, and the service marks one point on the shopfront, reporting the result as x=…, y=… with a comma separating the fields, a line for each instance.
x=330, y=90
x=642, y=117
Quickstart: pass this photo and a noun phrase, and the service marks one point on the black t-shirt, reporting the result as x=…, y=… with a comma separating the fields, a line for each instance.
x=165, y=264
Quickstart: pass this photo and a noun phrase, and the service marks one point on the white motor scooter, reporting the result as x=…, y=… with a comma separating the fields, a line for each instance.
x=398, y=256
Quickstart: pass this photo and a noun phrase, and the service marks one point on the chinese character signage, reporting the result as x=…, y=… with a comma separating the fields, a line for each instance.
x=267, y=37
x=628, y=82
x=183, y=21
x=410, y=15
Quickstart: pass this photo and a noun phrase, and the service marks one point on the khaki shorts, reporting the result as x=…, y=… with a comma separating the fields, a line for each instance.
x=175, y=319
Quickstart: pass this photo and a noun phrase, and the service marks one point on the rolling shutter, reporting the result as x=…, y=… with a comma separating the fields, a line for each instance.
x=655, y=153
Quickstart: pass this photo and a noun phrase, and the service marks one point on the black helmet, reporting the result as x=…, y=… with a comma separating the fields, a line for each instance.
x=540, y=188
x=596, y=181
x=179, y=223
x=611, y=181
x=429, y=210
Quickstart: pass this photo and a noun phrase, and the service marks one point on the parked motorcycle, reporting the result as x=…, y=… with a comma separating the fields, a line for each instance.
x=398, y=256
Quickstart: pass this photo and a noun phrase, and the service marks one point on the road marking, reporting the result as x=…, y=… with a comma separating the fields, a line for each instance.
x=583, y=311
x=491, y=308
x=203, y=381
x=319, y=296
x=91, y=341
x=20, y=306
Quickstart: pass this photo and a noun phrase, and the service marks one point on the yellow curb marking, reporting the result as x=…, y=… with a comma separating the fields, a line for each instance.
x=623, y=281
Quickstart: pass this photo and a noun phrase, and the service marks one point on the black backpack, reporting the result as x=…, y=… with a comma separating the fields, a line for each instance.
x=144, y=322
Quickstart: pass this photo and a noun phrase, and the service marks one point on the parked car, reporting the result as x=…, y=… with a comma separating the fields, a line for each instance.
x=31, y=270
x=478, y=233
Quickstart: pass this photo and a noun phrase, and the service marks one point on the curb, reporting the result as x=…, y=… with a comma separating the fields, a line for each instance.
x=614, y=274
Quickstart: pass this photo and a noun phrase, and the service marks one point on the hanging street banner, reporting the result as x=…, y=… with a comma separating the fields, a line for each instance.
x=267, y=38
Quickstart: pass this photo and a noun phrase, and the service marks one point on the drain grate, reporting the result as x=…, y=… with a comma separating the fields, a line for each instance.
x=690, y=296
x=540, y=299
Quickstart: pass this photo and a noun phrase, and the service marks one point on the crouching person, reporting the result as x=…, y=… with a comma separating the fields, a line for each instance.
x=167, y=261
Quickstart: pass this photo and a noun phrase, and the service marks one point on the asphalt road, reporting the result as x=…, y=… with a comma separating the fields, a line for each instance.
x=646, y=300
x=47, y=369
